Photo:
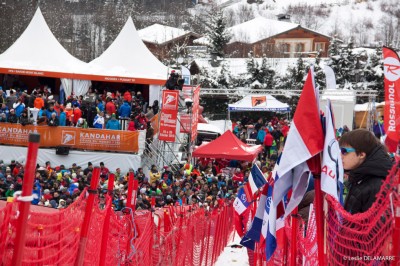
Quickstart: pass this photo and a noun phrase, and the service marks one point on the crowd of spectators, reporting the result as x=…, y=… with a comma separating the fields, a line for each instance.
x=269, y=133
x=105, y=110
x=205, y=184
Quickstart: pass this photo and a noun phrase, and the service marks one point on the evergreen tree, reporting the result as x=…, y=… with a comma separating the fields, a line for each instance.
x=373, y=72
x=217, y=33
x=266, y=74
x=252, y=69
x=319, y=74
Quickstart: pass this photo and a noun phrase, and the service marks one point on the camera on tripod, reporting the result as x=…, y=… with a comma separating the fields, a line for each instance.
x=174, y=82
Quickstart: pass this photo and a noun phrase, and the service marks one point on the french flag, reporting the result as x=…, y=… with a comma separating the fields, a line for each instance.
x=256, y=181
x=305, y=139
x=254, y=233
x=241, y=203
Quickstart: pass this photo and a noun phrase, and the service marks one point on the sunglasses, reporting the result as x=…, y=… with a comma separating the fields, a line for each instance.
x=345, y=150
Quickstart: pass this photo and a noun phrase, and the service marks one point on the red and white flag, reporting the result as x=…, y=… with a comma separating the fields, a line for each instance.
x=391, y=70
x=305, y=139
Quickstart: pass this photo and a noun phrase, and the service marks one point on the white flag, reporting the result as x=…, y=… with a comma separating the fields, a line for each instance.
x=332, y=167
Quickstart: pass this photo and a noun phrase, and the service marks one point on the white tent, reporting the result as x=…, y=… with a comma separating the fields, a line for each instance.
x=38, y=53
x=128, y=60
x=259, y=103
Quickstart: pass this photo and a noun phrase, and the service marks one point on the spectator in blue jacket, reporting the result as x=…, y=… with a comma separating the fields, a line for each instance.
x=113, y=123
x=125, y=110
x=99, y=105
x=19, y=107
x=4, y=110
x=63, y=118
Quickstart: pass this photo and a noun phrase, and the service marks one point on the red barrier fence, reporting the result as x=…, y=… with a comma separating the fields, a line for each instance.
x=188, y=235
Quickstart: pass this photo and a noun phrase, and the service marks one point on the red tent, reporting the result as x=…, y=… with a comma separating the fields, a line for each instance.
x=228, y=146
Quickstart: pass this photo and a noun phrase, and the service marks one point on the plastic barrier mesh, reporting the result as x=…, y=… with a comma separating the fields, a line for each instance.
x=170, y=236
x=360, y=239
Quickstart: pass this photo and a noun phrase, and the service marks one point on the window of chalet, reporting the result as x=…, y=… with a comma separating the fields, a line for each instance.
x=285, y=47
x=299, y=47
x=319, y=46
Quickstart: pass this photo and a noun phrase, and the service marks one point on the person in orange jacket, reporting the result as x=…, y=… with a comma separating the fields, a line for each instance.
x=39, y=102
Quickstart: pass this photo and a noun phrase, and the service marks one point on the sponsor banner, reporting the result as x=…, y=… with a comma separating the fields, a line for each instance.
x=168, y=121
x=187, y=92
x=76, y=138
x=257, y=100
x=168, y=115
x=391, y=65
x=170, y=100
x=186, y=121
x=195, y=111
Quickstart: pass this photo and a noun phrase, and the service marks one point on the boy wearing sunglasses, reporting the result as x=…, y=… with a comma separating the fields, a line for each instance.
x=368, y=164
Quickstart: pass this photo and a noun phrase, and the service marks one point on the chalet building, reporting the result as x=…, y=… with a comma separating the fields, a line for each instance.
x=275, y=39
x=163, y=41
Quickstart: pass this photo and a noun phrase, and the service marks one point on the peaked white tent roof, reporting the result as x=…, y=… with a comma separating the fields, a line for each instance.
x=38, y=53
x=158, y=33
x=128, y=60
x=259, y=103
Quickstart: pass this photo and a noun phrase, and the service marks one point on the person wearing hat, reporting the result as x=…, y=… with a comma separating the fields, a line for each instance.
x=154, y=174
x=103, y=170
x=113, y=123
x=82, y=123
x=89, y=169
x=12, y=117
x=53, y=121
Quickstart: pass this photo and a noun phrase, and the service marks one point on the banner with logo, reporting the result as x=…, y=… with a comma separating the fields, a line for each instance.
x=257, y=100
x=76, y=138
x=391, y=65
x=195, y=111
x=168, y=115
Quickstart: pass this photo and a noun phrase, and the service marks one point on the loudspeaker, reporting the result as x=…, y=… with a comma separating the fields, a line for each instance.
x=62, y=150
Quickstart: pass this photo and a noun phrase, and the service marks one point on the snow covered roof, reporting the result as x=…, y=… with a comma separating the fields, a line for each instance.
x=238, y=66
x=38, y=53
x=128, y=60
x=366, y=106
x=259, y=29
x=159, y=34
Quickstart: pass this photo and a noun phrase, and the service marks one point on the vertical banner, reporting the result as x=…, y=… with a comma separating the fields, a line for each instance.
x=195, y=111
x=168, y=115
x=391, y=70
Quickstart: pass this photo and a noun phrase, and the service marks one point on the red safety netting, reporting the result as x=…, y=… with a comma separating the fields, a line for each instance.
x=361, y=237
x=349, y=239
x=187, y=235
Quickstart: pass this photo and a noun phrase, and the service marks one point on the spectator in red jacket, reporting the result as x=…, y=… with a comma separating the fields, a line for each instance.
x=268, y=141
x=110, y=107
x=128, y=96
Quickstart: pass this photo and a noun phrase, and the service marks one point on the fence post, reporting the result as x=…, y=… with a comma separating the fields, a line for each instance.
x=88, y=214
x=106, y=225
x=24, y=205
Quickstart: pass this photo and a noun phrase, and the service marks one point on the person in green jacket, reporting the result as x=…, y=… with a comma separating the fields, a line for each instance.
x=10, y=191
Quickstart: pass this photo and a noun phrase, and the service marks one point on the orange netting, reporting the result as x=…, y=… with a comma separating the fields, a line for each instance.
x=186, y=235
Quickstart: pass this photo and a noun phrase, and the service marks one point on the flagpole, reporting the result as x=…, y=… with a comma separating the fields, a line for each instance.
x=314, y=164
x=293, y=242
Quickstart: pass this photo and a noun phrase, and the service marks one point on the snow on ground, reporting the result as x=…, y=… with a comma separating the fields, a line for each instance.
x=233, y=256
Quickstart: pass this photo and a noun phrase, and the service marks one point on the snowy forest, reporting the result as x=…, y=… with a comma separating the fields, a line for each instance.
x=87, y=27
